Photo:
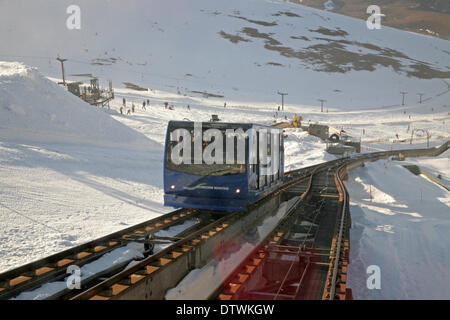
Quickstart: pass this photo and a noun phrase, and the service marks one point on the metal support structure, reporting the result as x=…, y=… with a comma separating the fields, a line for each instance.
x=420, y=97
x=403, y=97
x=62, y=68
x=321, y=104
x=422, y=132
x=282, y=99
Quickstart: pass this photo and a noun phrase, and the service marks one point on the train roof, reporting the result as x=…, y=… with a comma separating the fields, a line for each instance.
x=218, y=124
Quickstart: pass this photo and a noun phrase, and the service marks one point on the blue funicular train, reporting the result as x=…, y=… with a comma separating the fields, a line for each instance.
x=221, y=166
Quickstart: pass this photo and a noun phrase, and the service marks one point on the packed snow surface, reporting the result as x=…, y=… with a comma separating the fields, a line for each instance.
x=400, y=223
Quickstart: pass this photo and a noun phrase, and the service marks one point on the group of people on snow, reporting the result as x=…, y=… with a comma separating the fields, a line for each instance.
x=145, y=104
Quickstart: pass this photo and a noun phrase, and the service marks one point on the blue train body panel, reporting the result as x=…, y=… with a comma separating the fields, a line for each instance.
x=213, y=192
x=186, y=188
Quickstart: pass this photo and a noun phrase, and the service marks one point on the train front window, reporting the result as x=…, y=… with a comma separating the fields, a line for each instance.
x=227, y=162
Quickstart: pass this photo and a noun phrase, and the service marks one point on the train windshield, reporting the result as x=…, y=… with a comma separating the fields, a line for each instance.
x=215, y=148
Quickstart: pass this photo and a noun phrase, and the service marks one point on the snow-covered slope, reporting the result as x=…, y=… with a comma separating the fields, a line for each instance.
x=244, y=50
x=400, y=223
x=71, y=172
x=33, y=108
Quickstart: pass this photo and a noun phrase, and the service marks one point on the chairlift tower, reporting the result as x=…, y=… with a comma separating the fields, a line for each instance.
x=321, y=104
x=62, y=68
x=282, y=99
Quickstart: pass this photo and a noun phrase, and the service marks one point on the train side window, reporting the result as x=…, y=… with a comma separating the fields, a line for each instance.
x=258, y=163
x=269, y=156
x=278, y=157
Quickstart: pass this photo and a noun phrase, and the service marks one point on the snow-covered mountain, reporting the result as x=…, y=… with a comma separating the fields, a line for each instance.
x=243, y=50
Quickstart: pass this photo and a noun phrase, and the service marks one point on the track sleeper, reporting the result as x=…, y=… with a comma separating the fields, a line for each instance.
x=134, y=278
x=249, y=269
x=82, y=254
x=241, y=278
x=18, y=280
x=100, y=297
x=186, y=248
x=176, y=254
x=99, y=248
x=64, y=262
x=164, y=261
x=151, y=269
x=118, y=288
x=43, y=270
x=233, y=287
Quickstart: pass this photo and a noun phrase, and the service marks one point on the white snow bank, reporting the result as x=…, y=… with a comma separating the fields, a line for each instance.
x=32, y=108
x=404, y=229
x=435, y=166
x=303, y=150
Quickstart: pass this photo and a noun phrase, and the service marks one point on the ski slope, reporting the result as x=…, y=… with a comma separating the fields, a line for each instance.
x=243, y=50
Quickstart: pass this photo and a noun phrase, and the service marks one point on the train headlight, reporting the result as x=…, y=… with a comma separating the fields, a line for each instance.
x=238, y=190
x=172, y=187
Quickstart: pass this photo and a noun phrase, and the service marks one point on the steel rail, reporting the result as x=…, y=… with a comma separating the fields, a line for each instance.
x=158, y=260
x=216, y=293
x=297, y=175
x=52, y=268
x=191, y=241
x=341, y=230
x=299, y=249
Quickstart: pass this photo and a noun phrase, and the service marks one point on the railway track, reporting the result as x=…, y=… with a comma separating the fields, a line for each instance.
x=305, y=256
x=294, y=260
x=314, y=266
x=152, y=277
x=54, y=267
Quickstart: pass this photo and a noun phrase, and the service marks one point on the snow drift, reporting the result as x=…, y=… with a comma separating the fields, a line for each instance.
x=32, y=108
